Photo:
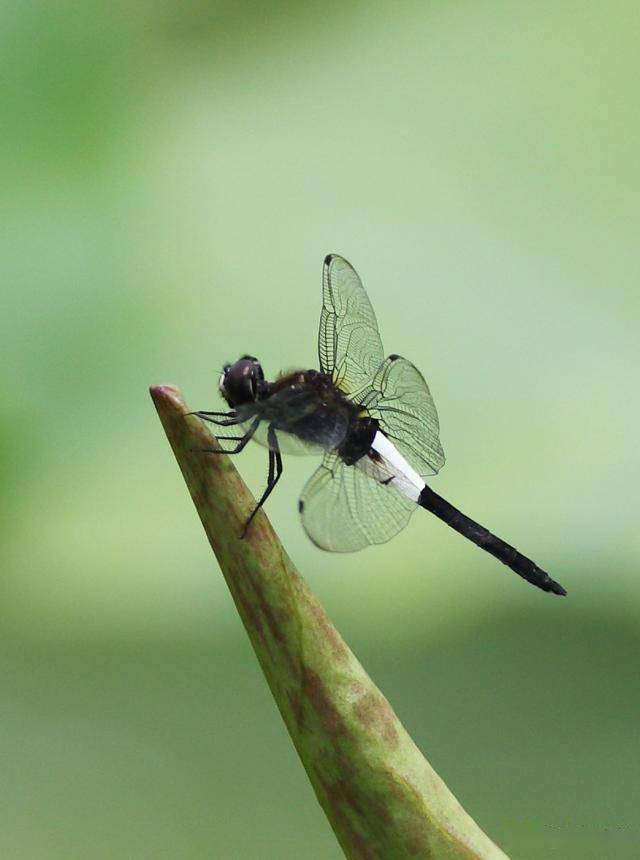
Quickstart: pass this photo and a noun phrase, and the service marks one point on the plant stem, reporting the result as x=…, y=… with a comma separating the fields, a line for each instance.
x=382, y=798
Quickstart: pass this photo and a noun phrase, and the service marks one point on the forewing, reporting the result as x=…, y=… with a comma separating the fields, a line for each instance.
x=345, y=508
x=400, y=399
x=349, y=344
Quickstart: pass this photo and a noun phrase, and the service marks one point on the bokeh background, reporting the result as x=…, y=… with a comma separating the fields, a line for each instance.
x=173, y=174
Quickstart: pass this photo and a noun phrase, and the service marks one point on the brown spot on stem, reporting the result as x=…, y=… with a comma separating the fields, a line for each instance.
x=295, y=703
x=376, y=714
x=363, y=816
x=275, y=625
x=322, y=704
x=331, y=635
x=409, y=798
x=248, y=613
x=340, y=812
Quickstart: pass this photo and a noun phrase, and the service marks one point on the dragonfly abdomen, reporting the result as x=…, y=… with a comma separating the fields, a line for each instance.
x=487, y=541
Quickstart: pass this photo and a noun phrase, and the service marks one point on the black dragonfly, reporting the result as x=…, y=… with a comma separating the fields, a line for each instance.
x=372, y=418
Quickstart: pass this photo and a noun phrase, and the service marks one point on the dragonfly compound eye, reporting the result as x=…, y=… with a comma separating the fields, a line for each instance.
x=239, y=382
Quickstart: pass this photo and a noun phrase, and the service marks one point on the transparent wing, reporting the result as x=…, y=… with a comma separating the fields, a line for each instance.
x=399, y=398
x=345, y=508
x=349, y=344
x=287, y=443
x=229, y=436
x=229, y=433
x=304, y=423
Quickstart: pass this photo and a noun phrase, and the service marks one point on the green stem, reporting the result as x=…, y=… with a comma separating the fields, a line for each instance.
x=382, y=798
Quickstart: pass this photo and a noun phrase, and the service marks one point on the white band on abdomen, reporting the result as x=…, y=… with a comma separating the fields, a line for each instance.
x=405, y=478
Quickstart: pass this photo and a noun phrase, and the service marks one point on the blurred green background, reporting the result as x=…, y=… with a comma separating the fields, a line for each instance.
x=173, y=174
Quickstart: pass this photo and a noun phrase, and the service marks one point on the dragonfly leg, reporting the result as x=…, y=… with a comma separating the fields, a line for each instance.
x=275, y=473
x=241, y=440
x=222, y=419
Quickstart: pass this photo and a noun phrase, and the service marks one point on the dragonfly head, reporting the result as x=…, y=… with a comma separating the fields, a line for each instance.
x=242, y=381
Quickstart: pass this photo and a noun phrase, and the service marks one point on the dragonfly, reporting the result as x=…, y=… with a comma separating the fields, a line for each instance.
x=373, y=420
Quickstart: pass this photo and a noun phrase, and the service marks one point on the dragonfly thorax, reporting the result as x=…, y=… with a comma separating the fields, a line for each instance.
x=308, y=405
